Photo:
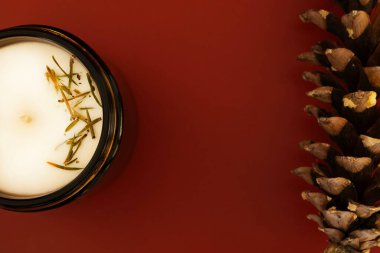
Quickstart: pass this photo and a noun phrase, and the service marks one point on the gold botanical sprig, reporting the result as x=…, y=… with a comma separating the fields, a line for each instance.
x=75, y=97
x=63, y=167
x=72, y=124
x=50, y=74
x=64, y=72
x=67, y=96
x=71, y=72
x=74, y=147
x=91, y=126
x=92, y=88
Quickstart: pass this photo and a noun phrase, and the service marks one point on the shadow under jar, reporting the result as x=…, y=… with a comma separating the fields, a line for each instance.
x=61, y=118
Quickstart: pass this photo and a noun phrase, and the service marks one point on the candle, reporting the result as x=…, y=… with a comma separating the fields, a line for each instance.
x=51, y=118
x=61, y=118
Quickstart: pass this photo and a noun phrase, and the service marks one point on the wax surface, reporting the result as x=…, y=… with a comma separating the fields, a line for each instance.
x=33, y=122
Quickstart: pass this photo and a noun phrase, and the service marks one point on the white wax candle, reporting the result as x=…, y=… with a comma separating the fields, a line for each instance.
x=33, y=122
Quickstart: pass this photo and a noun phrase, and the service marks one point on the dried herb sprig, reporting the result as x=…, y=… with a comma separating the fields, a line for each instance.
x=64, y=72
x=79, y=102
x=70, y=154
x=76, y=96
x=81, y=117
x=73, y=116
x=92, y=88
x=50, y=74
x=72, y=124
x=63, y=167
x=76, y=141
x=91, y=126
x=72, y=161
x=74, y=74
x=71, y=72
x=66, y=89
x=74, y=147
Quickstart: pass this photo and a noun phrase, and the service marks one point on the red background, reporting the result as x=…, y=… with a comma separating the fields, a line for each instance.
x=220, y=103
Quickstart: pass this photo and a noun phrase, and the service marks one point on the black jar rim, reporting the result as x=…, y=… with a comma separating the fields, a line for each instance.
x=112, y=118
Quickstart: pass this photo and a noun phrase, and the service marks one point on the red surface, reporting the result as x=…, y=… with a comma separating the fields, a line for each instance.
x=220, y=112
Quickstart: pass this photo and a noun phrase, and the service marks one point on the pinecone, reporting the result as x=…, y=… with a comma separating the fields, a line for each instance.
x=346, y=172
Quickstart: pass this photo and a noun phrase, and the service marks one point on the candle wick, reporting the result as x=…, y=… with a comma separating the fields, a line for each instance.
x=26, y=119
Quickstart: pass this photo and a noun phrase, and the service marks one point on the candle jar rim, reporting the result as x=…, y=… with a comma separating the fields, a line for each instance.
x=112, y=129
